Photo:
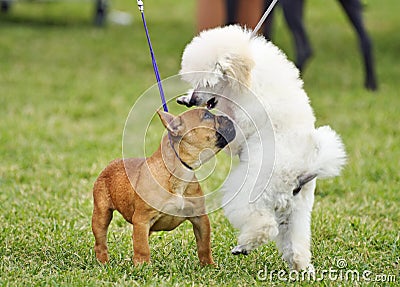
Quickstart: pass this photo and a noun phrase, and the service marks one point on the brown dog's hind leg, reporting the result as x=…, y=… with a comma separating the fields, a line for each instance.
x=100, y=221
x=101, y=218
x=140, y=238
x=202, y=232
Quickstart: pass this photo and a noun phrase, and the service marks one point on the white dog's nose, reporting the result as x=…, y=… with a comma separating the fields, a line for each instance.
x=185, y=100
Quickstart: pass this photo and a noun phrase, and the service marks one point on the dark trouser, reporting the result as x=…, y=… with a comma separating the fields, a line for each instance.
x=293, y=13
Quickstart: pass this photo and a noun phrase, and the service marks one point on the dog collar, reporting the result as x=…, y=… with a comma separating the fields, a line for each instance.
x=177, y=155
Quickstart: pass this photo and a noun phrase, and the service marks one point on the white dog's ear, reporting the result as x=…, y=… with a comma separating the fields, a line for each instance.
x=236, y=67
x=173, y=124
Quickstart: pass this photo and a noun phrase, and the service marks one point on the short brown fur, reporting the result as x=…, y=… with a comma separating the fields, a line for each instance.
x=159, y=192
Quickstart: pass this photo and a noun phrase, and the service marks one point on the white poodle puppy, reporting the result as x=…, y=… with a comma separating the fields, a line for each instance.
x=270, y=194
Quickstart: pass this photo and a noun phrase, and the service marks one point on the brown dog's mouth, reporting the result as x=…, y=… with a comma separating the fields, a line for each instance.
x=211, y=103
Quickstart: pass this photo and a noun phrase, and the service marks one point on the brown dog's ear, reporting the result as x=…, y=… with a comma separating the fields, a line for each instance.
x=237, y=67
x=173, y=124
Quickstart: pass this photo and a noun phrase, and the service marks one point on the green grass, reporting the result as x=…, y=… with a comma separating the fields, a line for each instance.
x=66, y=89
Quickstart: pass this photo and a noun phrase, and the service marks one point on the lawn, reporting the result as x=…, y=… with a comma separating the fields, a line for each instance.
x=66, y=89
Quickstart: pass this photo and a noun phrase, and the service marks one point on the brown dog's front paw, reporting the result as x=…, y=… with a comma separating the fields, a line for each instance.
x=140, y=260
x=208, y=264
x=207, y=261
x=102, y=257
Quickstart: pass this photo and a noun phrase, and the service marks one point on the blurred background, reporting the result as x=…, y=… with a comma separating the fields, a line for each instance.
x=70, y=71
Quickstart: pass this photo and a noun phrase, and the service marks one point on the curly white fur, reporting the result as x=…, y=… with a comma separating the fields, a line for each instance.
x=277, y=143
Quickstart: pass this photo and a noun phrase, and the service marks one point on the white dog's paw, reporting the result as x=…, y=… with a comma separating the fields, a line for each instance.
x=309, y=268
x=240, y=249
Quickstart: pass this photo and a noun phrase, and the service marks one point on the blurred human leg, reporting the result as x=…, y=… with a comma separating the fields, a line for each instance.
x=210, y=14
x=353, y=9
x=249, y=12
x=293, y=12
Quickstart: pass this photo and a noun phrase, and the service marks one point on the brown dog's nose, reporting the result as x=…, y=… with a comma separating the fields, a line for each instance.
x=225, y=131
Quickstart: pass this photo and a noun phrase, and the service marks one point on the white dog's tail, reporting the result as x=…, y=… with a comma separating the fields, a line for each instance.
x=330, y=154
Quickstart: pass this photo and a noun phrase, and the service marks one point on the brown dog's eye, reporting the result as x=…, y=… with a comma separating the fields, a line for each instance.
x=208, y=116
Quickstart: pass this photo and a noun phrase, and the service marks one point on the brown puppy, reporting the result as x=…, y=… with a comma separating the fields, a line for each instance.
x=160, y=192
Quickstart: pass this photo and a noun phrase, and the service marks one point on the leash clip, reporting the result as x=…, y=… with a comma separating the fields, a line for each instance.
x=140, y=5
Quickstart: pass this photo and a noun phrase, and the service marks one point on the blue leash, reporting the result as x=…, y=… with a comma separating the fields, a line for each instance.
x=160, y=88
x=155, y=67
x=153, y=58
